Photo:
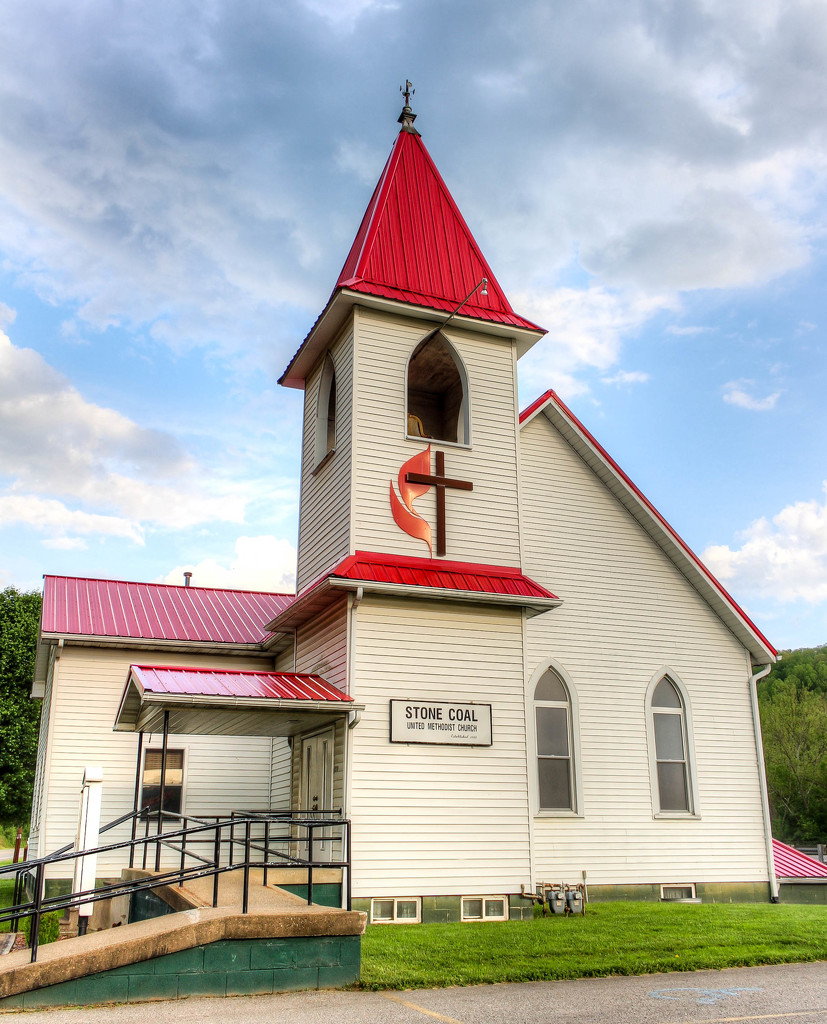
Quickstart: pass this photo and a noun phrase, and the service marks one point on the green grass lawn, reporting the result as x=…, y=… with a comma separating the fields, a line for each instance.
x=612, y=938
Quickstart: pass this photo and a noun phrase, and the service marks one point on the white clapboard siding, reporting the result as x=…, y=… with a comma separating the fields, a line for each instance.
x=428, y=818
x=221, y=773
x=324, y=518
x=629, y=614
x=321, y=645
x=280, y=758
x=482, y=525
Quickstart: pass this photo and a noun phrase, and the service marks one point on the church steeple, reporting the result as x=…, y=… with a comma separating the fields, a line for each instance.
x=413, y=246
x=413, y=243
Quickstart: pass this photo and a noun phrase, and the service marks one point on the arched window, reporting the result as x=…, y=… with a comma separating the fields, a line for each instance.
x=555, y=759
x=672, y=781
x=326, y=411
x=437, y=391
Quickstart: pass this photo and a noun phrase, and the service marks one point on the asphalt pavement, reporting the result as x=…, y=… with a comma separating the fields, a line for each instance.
x=784, y=994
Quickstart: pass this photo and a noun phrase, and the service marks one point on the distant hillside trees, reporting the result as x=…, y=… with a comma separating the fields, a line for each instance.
x=793, y=702
x=19, y=714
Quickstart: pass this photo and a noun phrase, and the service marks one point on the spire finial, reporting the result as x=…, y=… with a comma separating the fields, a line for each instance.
x=407, y=117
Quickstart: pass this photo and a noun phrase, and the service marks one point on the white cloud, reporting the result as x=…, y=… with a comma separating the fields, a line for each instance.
x=784, y=559
x=7, y=316
x=54, y=517
x=586, y=328
x=65, y=544
x=688, y=330
x=58, y=444
x=735, y=393
x=627, y=377
x=260, y=563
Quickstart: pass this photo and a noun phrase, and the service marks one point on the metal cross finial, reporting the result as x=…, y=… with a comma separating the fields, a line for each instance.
x=407, y=117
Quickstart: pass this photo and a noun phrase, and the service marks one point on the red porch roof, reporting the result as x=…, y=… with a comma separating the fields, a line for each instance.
x=156, y=611
x=222, y=683
x=791, y=863
x=405, y=576
x=436, y=572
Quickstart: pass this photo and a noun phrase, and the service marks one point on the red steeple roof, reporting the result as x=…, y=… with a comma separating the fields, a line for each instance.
x=414, y=245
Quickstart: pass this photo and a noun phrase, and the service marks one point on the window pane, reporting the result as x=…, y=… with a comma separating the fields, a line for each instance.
x=151, y=797
x=672, y=787
x=669, y=737
x=406, y=910
x=555, y=786
x=666, y=696
x=550, y=687
x=494, y=908
x=383, y=910
x=553, y=731
x=472, y=908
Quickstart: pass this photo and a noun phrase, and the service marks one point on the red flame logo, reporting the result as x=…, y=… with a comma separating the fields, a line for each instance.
x=408, y=520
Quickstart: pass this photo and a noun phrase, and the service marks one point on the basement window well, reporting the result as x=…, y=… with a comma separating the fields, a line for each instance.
x=396, y=910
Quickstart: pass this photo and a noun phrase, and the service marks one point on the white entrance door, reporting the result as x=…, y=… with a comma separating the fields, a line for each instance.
x=317, y=786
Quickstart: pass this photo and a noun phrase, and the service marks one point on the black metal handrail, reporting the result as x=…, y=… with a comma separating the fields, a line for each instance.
x=216, y=832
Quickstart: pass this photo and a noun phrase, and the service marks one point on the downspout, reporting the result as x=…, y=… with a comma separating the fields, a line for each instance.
x=762, y=776
x=352, y=722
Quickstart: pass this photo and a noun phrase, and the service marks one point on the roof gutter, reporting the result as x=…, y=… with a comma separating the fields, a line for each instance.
x=200, y=646
x=534, y=605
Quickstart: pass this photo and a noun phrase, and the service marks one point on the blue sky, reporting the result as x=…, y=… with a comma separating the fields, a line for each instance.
x=180, y=183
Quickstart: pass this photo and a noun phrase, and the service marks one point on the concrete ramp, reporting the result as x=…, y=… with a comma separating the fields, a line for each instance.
x=281, y=944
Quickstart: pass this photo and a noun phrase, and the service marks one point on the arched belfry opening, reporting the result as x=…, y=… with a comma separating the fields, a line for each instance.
x=326, y=411
x=437, y=391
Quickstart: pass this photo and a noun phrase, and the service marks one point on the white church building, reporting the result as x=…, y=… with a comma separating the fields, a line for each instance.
x=502, y=664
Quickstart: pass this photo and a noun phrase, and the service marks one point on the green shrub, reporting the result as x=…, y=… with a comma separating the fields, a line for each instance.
x=49, y=928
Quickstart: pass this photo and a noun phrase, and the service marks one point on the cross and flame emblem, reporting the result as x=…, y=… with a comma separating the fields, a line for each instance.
x=415, y=478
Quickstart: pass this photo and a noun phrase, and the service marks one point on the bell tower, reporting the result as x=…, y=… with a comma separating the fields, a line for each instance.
x=410, y=419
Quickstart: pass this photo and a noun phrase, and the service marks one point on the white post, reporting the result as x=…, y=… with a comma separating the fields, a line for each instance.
x=89, y=819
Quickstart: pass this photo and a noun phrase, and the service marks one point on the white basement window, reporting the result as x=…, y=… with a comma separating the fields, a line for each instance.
x=673, y=893
x=396, y=910
x=484, y=908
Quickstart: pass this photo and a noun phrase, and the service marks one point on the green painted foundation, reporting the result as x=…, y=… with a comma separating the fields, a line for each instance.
x=227, y=968
x=814, y=893
x=325, y=894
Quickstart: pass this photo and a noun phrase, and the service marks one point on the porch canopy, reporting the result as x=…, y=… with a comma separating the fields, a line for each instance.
x=218, y=702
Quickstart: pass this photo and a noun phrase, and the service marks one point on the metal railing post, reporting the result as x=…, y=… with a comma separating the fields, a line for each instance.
x=146, y=841
x=217, y=856
x=266, y=849
x=135, y=801
x=347, y=862
x=310, y=864
x=183, y=853
x=34, y=930
x=245, y=898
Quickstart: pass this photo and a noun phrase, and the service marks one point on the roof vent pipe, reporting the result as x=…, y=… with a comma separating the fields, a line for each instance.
x=187, y=578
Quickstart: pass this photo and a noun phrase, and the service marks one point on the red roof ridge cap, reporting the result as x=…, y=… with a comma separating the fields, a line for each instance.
x=170, y=586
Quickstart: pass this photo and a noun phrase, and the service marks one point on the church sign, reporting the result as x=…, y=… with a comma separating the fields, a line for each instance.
x=440, y=721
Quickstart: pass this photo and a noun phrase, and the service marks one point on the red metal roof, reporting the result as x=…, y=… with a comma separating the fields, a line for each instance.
x=553, y=397
x=790, y=863
x=210, y=682
x=436, y=572
x=156, y=611
x=413, y=243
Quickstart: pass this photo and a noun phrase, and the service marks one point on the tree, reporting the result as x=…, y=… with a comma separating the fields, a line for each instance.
x=19, y=714
x=793, y=701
